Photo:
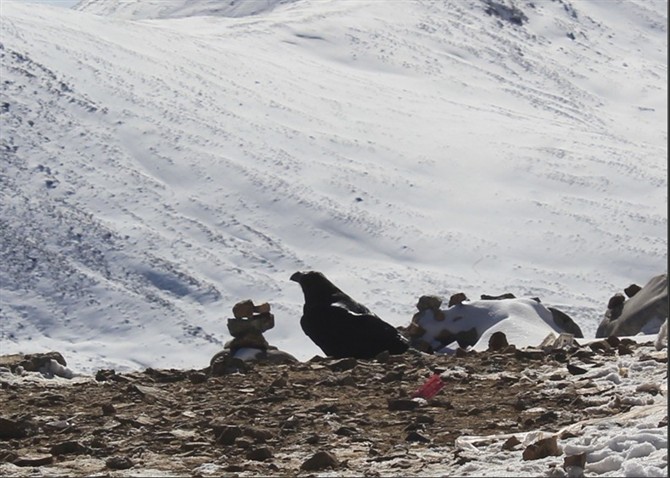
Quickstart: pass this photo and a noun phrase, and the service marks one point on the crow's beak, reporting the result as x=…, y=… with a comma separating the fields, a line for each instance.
x=296, y=277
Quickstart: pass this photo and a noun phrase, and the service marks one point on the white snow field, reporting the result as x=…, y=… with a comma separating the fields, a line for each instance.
x=161, y=161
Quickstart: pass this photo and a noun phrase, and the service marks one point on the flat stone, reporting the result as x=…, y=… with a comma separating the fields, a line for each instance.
x=400, y=404
x=33, y=460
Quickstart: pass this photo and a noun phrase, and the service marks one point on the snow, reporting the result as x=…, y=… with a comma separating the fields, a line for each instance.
x=634, y=443
x=161, y=164
x=525, y=322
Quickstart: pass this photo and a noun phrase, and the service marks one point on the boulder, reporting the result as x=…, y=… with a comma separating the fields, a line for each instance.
x=644, y=312
x=565, y=322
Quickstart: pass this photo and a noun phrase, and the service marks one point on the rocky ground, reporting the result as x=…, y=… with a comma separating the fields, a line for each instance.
x=324, y=416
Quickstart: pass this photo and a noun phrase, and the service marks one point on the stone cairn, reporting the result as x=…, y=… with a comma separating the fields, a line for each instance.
x=247, y=327
x=415, y=332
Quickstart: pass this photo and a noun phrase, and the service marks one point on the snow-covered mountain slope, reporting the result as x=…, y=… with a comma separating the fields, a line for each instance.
x=157, y=170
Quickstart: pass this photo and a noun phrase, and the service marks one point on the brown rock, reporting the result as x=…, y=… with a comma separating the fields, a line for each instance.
x=575, y=460
x=497, y=341
x=108, y=409
x=427, y=302
x=457, y=299
x=243, y=309
x=542, y=449
x=260, y=454
x=119, y=463
x=253, y=339
x=263, y=308
x=414, y=330
x=256, y=324
x=511, y=443
x=33, y=460
x=343, y=364
x=616, y=300
x=226, y=435
x=68, y=447
x=320, y=461
x=258, y=434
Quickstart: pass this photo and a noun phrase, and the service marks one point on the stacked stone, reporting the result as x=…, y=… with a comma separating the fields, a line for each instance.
x=248, y=326
x=247, y=330
x=430, y=304
x=415, y=332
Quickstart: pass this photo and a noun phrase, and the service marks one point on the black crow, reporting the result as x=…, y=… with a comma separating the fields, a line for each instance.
x=339, y=325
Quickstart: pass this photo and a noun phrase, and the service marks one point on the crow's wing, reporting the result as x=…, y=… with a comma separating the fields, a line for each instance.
x=339, y=332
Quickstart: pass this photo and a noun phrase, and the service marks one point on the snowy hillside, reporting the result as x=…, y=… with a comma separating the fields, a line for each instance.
x=161, y=161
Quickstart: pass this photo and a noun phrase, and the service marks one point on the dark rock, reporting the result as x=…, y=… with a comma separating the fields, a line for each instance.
x=510, y=14
x=565, y=322
x=383, y=357
x=457, y=299
x=613, y=340
x=425, y=419
x=346, y=431
x=343, y=364
x=105, y=374
x=511, y=443
x=258, y=434
x=320, y=461
x=256, y=324
x=7, y=456
x=243, y=309
x=392, y=376
x=632, y=289
x=34, y=460
x=119, y=463
x=166, y=376
x=601, y=346
x=260, y=454
x=68, y=447
x=16, y=428
x=530, y=353
x=226, y=435
x=108, y=409
x=497, y=341
x=197, y=377
x=506, y=295
x=429, y=302
x=223, y=364
x=542, y=449
x=464, y=338
x=575, y=370
x=414, y=436
x=629, y=317
x=616, y=300
x=402, y=404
